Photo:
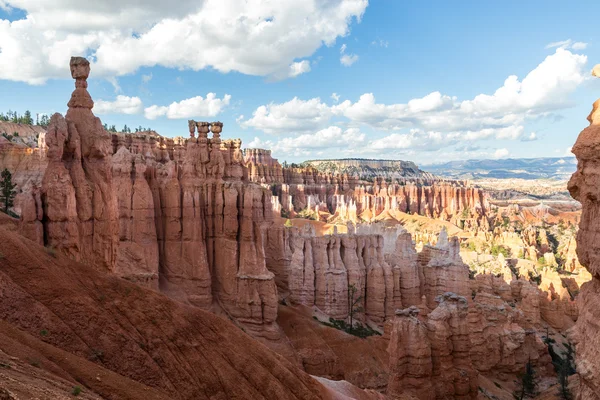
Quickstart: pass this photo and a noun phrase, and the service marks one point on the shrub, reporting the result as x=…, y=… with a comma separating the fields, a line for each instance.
x=288, y=223
x=358, y=329
x=76, y=391
x=495, y=250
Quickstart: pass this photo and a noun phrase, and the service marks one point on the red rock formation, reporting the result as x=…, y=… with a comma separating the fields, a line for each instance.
x=411, y=365
x=262, y=168
x=584, y=187
x=432, y=359
x=172, y=214
x=78, y=194
x=65, y=324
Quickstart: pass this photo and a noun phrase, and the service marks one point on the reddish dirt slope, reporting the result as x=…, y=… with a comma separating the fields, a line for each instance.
x=82, y=324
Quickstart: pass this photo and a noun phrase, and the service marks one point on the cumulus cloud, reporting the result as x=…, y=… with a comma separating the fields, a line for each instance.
x=292, y=116
x=122, y=105
x=332, y=137
x=299, y=68
x=499, y=115
x=501, y=153
x=335, y=97
x=347, y=59
x=529, y=138
x=436, y=121
x=567, y=44
x=198, y=106
x=254, y=38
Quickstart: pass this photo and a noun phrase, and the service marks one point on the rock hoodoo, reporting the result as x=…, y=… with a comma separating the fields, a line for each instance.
x=585, y=187
x=160, y=212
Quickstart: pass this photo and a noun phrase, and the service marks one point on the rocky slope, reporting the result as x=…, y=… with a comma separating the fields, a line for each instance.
x=65, y=324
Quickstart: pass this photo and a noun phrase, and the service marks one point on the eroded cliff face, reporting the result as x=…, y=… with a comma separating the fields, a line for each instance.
x=584, y=186
x=321, y=270
x=431, y=359
x=340, y=195
x=173, y=215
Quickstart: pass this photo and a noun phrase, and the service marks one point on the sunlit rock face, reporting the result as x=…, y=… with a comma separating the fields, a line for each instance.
x=176, y=215
x=584, y=186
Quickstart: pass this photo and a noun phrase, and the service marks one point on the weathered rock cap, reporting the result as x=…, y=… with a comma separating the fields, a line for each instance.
x=412, y=311
x=80, y=68
x=451, y=297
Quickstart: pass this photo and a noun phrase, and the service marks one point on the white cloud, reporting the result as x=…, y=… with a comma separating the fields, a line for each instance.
x=197, y=106
x=437, y=121
x=347, y=59
x=115, y=83
x=293, y=116
x=532, y=136
x=299, y=68
x=335, y=97
x=251, y=37
x=332, y=137
x=380, y=43
x=501, y=153
x=567, y=44
x=122, y=105
x=147, y=78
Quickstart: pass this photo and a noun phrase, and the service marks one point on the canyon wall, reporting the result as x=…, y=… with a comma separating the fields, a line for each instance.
x=172, y=214
x=341, y=194
x=584, y=186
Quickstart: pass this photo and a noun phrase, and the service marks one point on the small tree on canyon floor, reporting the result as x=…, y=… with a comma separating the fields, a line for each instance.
x=7, y=191
x=354, y=301
x=527, y=386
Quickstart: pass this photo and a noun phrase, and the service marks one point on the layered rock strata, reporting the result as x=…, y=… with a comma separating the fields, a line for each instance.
x=172, y=214
x=431, y=358
x=584, y=186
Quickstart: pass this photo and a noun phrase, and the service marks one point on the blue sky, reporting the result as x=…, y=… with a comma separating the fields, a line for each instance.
x=318, y=79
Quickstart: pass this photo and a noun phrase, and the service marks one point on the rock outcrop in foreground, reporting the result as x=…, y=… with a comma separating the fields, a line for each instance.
x=64, y=324
x=585, y=187
x=173, y=215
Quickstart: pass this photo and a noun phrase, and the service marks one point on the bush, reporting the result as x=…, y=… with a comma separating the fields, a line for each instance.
x=542, y=261
x=288, y=223
x=357, y=330
x=495, y=250
x=76, y=391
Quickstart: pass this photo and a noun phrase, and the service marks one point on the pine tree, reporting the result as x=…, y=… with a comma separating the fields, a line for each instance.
x=7, y=191
x=27, y=118
x=528, y=384
x=353, y=303
x=44, y=121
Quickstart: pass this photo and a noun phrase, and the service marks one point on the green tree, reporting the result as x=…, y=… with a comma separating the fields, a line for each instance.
x=354, y=301
x=527, y=386
x=7, y=190
x=27, y=118
x=44, y=121
x=563, y=380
